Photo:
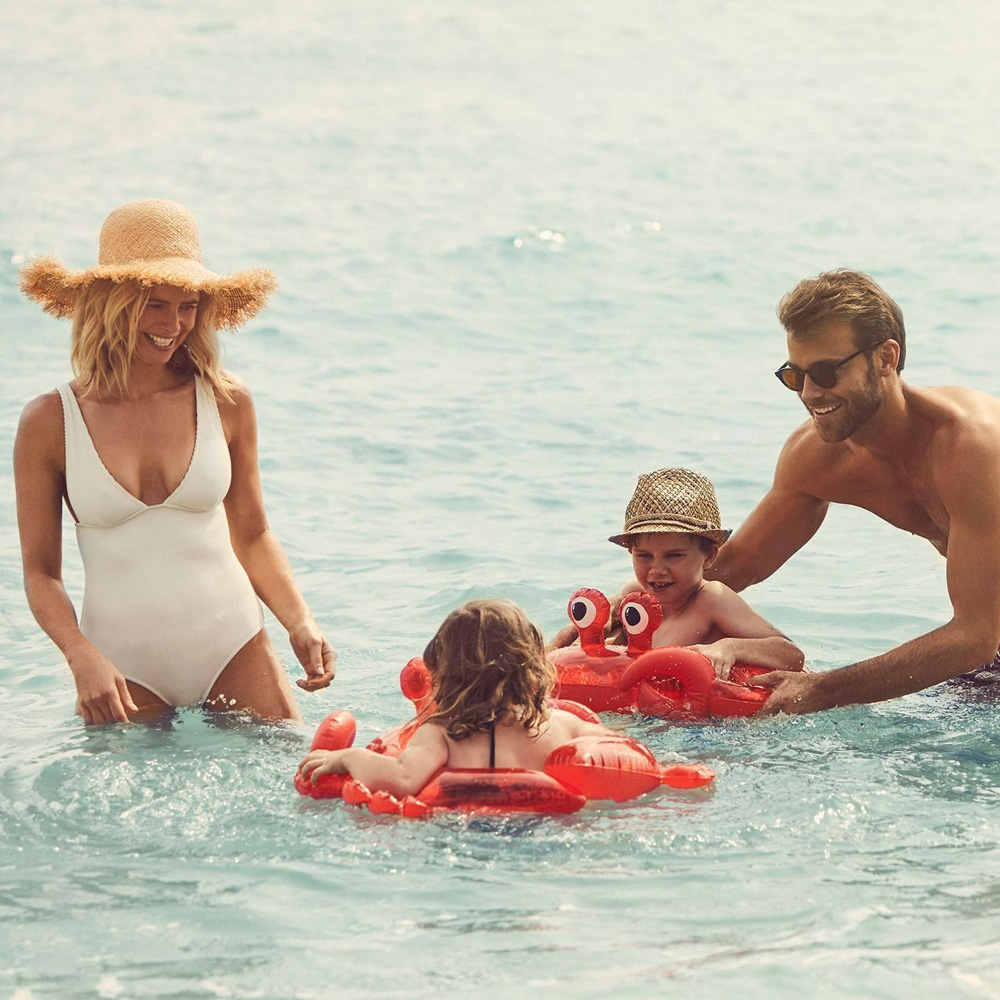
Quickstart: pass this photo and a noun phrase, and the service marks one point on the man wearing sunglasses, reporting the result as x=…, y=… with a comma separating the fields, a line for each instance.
x=925, y=460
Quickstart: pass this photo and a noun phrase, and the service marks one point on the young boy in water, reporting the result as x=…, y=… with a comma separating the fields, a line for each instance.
x=672, y=530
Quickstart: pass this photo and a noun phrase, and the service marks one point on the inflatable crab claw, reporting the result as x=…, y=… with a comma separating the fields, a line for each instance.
x=335, y=732
x=675, y=680
x=604, y=767
x=415, y=683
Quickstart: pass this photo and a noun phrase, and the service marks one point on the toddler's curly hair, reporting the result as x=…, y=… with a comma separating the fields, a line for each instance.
x=488, y=665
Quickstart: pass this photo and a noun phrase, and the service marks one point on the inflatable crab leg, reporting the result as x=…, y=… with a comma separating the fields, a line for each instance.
x=686, y=775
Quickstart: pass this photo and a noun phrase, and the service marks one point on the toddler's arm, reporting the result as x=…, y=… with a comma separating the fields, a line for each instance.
x=749, y=638
x=402, y=775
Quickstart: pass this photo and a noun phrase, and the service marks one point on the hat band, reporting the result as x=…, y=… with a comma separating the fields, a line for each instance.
x=638, y=523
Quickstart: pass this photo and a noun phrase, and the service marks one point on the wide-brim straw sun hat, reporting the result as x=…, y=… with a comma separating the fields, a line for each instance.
x=152, y=242
x=673, y=500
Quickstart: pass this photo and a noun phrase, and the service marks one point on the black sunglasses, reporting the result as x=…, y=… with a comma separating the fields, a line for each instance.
x=822, y=373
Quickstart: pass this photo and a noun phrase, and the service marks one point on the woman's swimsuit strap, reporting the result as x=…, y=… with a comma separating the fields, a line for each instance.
x=493, y=744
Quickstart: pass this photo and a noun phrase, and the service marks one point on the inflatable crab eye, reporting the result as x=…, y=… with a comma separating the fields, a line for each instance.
x=635, y=618
x=583, y=611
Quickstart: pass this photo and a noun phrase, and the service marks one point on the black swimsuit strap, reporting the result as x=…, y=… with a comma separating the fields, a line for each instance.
x=493, y=744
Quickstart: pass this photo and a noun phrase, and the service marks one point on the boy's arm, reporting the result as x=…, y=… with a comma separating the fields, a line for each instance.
x=406, y=774
x=749, y=637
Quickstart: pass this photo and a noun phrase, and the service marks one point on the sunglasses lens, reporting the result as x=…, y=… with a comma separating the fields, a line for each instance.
x=792, y=378
x=824, y=375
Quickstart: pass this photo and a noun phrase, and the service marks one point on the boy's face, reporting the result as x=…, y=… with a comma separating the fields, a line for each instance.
x=670, y=566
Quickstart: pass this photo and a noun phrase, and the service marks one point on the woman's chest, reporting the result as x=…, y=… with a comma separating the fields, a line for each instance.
x=148, y=448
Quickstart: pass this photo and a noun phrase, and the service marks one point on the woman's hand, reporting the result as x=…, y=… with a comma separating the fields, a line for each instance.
x=102, y=693
x=318, y=762
x=721, y=654
x=317, y=656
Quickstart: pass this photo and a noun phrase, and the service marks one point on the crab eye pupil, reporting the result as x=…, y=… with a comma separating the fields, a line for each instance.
x=632, y=616
x=579, y=610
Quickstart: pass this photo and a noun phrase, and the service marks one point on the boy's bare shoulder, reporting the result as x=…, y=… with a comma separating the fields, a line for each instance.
x=716, y=595
x=716, y=590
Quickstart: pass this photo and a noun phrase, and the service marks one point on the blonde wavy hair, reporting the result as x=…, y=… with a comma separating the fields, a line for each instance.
x=106, y=332
x=488, y=666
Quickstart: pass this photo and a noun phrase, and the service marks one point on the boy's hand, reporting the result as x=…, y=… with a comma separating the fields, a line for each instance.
x=721, y=655
x=318, y=762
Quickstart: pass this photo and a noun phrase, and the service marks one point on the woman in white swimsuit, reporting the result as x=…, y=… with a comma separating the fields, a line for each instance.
x=153, y=448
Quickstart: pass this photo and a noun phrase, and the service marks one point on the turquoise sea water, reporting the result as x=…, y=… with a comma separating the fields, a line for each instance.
x=526, y=252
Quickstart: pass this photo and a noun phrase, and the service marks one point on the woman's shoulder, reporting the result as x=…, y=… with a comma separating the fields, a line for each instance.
x=239, y=391
x=40, y=429
x=235, y=405
x=42, y=413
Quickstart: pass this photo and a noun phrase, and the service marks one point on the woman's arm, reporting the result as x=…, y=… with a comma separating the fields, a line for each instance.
x=748, y=637
x=39, y=477
x=406, y=774
x=259, y=550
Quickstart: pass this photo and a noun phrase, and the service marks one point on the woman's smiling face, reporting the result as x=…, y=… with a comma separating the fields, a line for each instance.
x=165, y=323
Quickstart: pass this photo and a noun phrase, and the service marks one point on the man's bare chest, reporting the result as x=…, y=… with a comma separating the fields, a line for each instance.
x=905, y=499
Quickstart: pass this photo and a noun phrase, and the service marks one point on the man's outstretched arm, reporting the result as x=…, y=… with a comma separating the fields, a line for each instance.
x=970, y=488
x=787, y=517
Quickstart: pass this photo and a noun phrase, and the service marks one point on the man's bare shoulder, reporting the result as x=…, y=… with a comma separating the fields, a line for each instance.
x=958, y=411
x=965, y=429
x=806, y=460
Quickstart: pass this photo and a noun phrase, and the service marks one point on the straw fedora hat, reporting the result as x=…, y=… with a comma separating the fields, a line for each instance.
x=152, y=242
x=672, y=500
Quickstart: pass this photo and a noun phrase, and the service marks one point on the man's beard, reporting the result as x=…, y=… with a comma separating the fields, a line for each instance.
x=855, y=412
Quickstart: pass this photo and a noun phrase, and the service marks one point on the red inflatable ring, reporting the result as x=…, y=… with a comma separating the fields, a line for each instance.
x=671, y=681
x=586, y=768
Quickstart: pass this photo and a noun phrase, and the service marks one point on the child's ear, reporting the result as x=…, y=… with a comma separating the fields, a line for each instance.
x=711, y=557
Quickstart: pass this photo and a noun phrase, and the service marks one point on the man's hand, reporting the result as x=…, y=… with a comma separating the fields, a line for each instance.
x=792, y=693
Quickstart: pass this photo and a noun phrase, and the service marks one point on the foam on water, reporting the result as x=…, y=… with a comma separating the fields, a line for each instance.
x=526, y=252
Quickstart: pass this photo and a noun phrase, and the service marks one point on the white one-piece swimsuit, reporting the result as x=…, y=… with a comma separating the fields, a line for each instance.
x=165, y=598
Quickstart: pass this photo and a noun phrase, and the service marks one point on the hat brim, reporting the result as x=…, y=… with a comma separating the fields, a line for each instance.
x=717, y=535
x=238, y=296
